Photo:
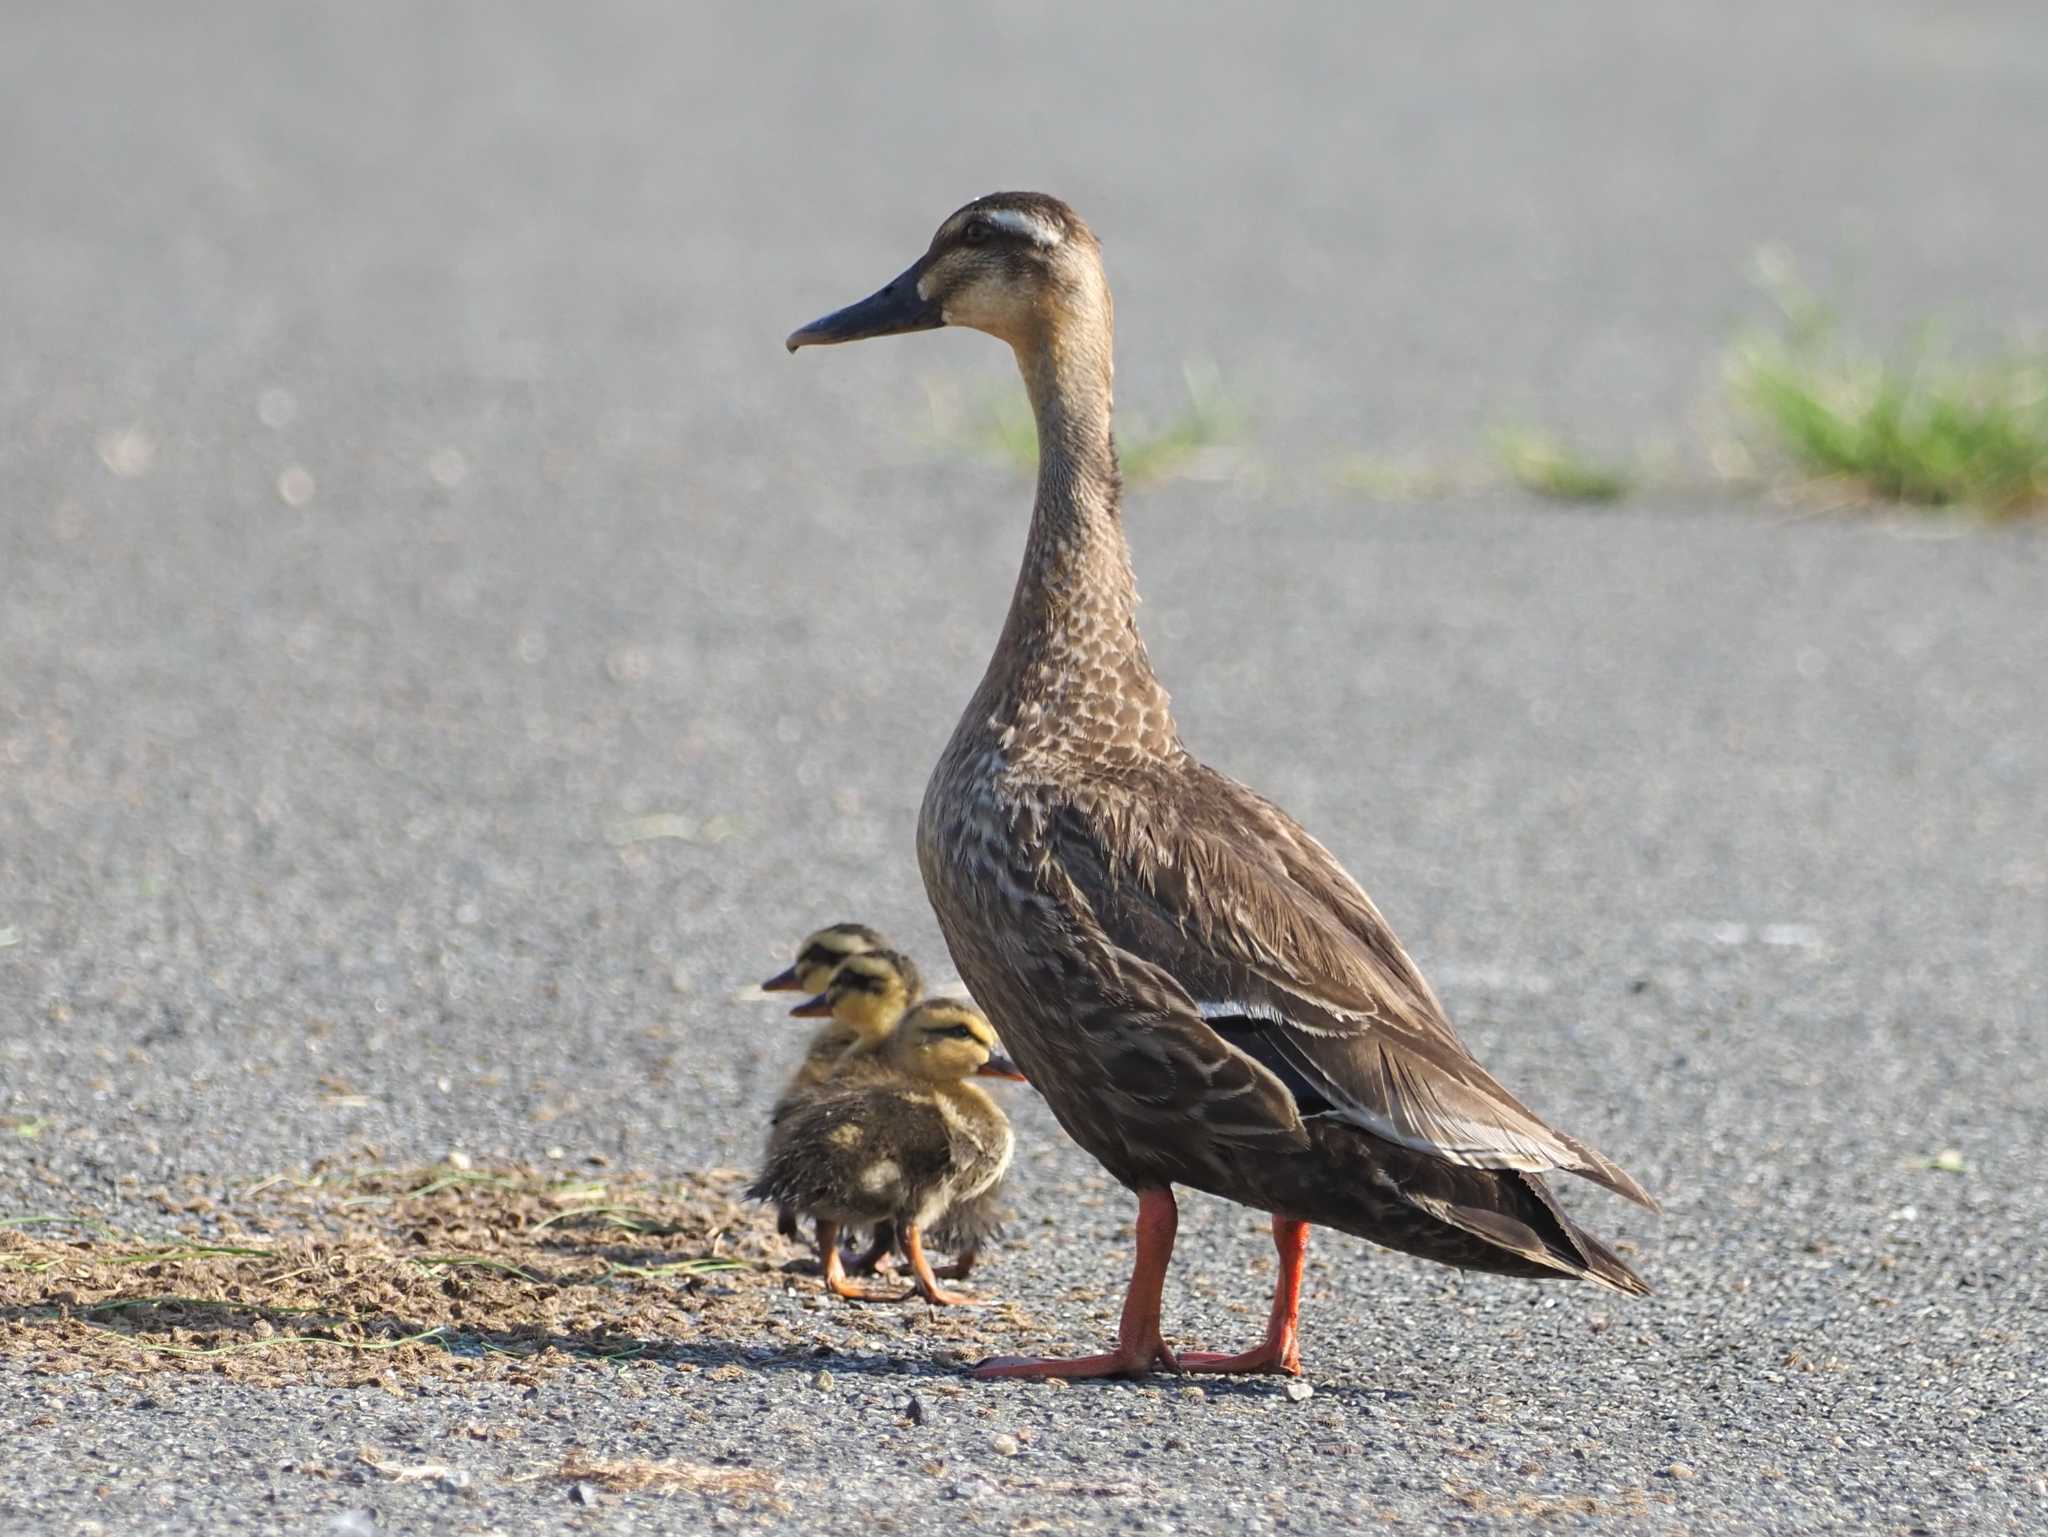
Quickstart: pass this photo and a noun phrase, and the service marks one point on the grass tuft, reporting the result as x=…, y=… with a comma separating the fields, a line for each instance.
x=1931, y=431
x=641, y=1476
x=1546, y=465
x=632, y=1218
x=1193, y=439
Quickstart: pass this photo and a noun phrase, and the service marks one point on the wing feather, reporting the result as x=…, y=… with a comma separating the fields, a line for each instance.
x=1285, y=964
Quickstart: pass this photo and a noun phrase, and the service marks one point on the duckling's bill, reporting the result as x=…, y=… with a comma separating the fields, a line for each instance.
x=889, y=311
x=784, y=981
x=819, y=1007
x=1000, y=1066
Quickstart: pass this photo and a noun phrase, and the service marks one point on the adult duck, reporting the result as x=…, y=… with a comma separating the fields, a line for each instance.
x=1202, y=993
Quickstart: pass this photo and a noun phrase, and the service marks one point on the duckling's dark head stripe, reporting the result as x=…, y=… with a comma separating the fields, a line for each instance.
x=878, y=971
x=831, y=945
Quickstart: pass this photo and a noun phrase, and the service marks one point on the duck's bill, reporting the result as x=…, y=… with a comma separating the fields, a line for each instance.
x=782, y=982
x=813, y=1008
x=890, y=311
x=1000, y=1066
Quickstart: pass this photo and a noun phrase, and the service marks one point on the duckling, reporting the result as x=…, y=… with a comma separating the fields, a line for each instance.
x=819, y=956
x=865, y=995
x=868, y=993
x=901, y=1149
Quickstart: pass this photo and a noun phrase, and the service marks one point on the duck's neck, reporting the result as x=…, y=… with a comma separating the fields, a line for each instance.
x=1070, y=670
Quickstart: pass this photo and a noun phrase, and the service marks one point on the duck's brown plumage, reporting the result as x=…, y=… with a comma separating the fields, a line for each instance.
x=1202, y=994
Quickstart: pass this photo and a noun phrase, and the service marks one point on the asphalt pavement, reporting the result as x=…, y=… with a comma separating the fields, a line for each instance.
x=448, y=651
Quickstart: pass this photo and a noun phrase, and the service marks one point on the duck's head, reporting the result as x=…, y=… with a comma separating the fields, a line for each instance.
x=868, y=993
x=943, y=1040
x=1018, y=265
x=819, y=956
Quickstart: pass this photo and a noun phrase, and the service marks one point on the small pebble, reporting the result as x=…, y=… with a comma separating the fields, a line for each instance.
x=822, y=1381
x=1680, y=1470
x=276, y=408
x=295, y=485
x=448, y=469
x=1298, y=1391
x=1193, y=1394
x=914, y=1409
x=584, y=1494
x=1005, y=1445
x=128, y=452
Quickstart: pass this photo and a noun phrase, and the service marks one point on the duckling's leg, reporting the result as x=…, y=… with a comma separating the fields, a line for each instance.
x=1281, y=1349
x=834, y=1269
x=961, y=1268
x=927, y=1282
x=1139, y=1346
x=879, y=1252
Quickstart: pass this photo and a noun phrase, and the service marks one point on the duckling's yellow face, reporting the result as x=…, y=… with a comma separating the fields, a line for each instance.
x=820, y=955
x=868, y=993
x=1009, y=264
x=943, y=1040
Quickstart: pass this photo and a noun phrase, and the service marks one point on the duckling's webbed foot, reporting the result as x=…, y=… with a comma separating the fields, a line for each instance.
x=927, y=1279
x=834, y=1270
x=1280, y=1351
x=1140, y=1347
x=961, y=1267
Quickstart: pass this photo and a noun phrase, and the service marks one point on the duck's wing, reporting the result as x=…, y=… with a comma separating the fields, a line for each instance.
x=1287, y=962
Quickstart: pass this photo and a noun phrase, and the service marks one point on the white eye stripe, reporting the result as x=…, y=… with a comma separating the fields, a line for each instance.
x=1018, y=222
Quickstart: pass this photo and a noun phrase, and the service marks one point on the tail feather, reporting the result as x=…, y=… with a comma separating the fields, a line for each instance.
x=1602, y=1170
x=1516, y=1213
x=1596, y=1261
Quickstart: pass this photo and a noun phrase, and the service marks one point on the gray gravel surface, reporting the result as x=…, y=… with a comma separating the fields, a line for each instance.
x=402, y=488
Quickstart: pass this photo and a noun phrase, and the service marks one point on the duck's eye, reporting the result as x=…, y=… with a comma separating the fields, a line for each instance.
x=977, y=232
x=959, y=1032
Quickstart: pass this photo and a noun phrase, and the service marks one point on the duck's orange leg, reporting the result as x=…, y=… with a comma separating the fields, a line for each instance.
x=834, y=1270
x=1139, y=1346
x=1281, y=1349
x=927, y=1282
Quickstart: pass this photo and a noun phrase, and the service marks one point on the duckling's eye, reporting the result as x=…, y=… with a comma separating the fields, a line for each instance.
x=959, y=1032
x=977, y=232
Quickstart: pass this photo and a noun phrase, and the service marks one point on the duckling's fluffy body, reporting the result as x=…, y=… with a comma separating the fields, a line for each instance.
x=888, y=1152
x=903, y=1144
x=863, y=995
